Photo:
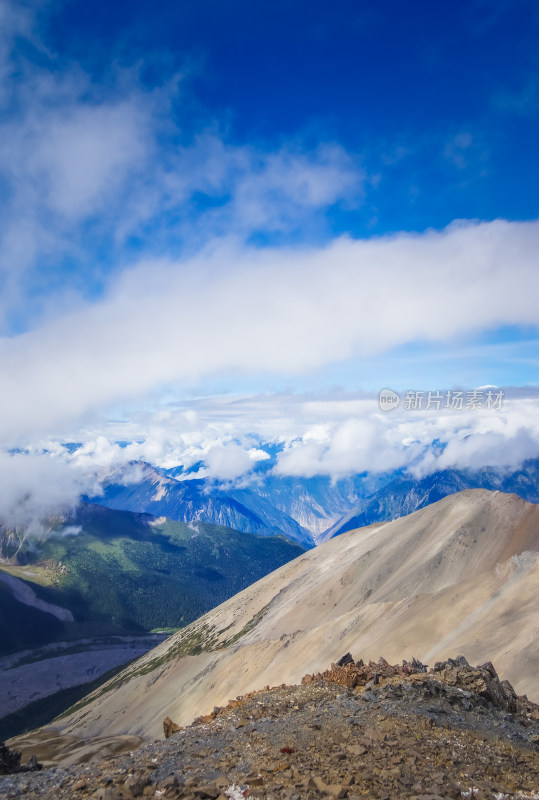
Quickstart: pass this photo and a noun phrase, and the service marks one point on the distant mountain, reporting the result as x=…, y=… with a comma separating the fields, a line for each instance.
x=403, y=494
x=307, y=510
x=154, y=492
x=316, y=503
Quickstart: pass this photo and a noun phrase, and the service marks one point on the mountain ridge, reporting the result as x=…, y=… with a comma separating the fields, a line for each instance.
x=459, y=574
x=405, y=494
x=309, y=510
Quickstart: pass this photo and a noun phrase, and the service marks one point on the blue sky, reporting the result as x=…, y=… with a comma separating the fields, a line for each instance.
x=264, y=200
x=437, y=101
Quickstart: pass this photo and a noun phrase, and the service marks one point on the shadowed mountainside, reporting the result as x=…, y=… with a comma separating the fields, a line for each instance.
x=405, y=494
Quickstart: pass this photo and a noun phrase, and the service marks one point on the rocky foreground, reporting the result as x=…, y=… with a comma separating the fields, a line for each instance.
x=354, y=731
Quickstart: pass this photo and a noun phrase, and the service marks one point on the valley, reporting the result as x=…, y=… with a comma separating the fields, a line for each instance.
x=457, y=576
x=80, y=604
x=84, y=600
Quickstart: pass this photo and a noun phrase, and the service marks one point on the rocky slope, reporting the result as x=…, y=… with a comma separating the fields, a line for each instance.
x=460, y=575
x=355, y=731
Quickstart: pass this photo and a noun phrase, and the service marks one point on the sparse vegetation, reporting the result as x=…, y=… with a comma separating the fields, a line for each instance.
x=249, y=627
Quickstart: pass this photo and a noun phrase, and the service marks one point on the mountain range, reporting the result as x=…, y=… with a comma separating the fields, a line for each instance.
x=460, y=575
x=111, y=569
x=404, y=494
x=306, y=510
x=139, y=487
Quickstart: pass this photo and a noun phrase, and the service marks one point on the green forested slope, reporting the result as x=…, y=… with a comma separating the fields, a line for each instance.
x=129, y=572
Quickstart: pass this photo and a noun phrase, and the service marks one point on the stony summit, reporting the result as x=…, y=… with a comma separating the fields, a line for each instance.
x=354, y=731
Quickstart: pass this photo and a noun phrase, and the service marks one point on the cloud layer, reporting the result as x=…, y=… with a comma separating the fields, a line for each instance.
x=36, y=485
x=234, y=309
x=226, y=439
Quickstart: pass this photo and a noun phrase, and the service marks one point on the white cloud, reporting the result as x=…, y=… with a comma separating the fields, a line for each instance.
x=283, y=312
x=80, y=155
x=335, y=434
x=71, y=530
x=421, y=442
x=69, y=151
x=491, y=448
x=85, y=167
x=503, y=439
x=81, y=162
x=277, y=186
x=36, y=485
x=226, y=462
x=241, y=189
x=353, y=445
